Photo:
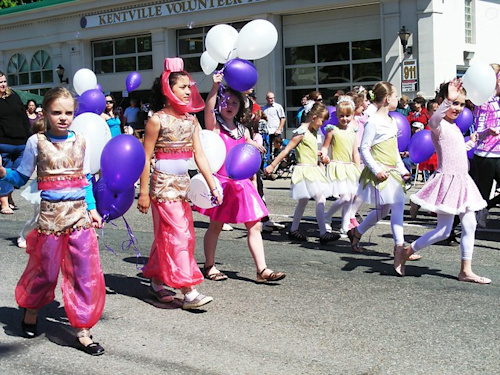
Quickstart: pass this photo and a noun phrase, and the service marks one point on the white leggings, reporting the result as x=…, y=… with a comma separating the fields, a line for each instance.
x=320, y=213
x=345, y=202
x=396, y=210
x=443, y=230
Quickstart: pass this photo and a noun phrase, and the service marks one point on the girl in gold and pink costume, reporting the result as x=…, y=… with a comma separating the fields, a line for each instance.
x=65, y=238
x=172, y=136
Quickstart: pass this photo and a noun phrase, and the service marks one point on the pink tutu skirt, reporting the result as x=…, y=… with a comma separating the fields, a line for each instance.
x=449, y=194
x=242, y=203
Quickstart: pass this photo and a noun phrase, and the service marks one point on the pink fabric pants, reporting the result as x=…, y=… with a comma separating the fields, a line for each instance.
x=172, y=253
x=77, y=255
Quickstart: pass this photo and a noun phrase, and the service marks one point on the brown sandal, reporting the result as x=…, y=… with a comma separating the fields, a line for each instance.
x=218, y=276
x=351, y=233
x=273, y=276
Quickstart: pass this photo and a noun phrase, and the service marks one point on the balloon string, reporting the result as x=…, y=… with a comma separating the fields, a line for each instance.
x=105, y=218
x=213, y=200
x=132, y=242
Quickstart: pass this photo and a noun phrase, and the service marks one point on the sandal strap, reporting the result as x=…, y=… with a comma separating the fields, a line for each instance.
x=261, y=272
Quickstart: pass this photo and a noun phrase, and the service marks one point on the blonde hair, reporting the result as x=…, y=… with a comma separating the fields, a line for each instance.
x=496, y=67
x=52, y=95
x=38, y=126
x=345, y=105
x=318, y=109
x=8, y=91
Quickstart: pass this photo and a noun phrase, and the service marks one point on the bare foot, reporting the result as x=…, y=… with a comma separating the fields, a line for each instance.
x=401, y=255
x=473, y=278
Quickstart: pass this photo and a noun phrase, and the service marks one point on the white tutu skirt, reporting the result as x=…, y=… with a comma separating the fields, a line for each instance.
x=344, y=187
x=392, y=193
x=31, y=193
x=310, y=189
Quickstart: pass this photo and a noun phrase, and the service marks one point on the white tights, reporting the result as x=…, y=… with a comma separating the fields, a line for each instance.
x=443, y=230
x=320, y=213
x=345, y=202
x=396, y=210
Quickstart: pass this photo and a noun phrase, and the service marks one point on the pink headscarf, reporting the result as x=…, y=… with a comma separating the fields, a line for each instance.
x=196, y=103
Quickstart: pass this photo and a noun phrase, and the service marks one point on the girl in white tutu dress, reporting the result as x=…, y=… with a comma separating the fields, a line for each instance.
x=450, y=191
x=343, y=163
x=308, y=178
x=381, y=181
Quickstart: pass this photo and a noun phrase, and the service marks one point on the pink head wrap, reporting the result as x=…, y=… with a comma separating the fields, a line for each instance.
x=196, y=103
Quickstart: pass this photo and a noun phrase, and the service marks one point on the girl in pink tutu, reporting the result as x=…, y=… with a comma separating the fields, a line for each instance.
x=172, y=136
x=64, y=238
x=343, y=163
x=382, y=179
x=450, y=191
x=242, y=203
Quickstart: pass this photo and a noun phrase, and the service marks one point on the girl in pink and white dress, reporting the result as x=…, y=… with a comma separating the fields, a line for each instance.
x=242, y=203
x=450, y=191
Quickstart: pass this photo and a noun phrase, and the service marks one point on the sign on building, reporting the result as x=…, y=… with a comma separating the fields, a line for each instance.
x=409, y=81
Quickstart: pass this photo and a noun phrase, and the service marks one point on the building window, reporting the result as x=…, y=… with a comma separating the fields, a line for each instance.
x=123, y=54
x=18, y=70
x=328, y=68
x=469, y=21
x=41, y=68
x=191, y=45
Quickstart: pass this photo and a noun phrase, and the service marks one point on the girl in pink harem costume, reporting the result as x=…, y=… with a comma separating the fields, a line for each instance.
x=450, y=191
x=242, y=203
x=172, y=134
x=64, y=238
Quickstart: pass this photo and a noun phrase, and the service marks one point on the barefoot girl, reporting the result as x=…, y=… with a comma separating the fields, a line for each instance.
x=450, y=191
x=381, y=181
x=308, y=178
x=172, y=135
x=65, y=238
x=242, y=203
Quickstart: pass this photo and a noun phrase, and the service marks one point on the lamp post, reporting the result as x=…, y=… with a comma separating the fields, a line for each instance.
x=60, y=73
x=404, y=35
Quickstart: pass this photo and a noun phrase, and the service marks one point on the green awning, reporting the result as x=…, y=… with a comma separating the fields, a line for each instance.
x=26, y=95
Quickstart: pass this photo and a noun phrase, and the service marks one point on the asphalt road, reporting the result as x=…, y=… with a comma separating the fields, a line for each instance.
x=335, y=313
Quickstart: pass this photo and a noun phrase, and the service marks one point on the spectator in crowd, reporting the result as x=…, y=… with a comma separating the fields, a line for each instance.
x=275, y=117
x=403, y=106
x=131, y=116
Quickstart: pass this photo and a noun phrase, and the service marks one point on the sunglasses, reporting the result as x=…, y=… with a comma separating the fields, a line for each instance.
x=109, y=101
x=319, y=99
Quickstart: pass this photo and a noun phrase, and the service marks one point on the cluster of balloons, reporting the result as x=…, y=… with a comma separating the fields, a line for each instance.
x=122, y=162
x=226, y=46
x=120, y=159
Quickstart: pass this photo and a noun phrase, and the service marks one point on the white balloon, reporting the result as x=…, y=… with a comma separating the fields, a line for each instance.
x=207, y=63
x=480, y=82
x=96, y=132
x=214, y=149
x=256, y=39
x=220, y=41
x=83, y=80
x=199, y=192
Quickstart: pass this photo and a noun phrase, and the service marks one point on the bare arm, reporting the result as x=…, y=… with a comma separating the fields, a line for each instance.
x=324, y=149
x=289, y=147
x=211, y=101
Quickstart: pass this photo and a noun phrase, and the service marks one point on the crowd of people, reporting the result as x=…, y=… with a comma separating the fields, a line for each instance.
x=355, y=161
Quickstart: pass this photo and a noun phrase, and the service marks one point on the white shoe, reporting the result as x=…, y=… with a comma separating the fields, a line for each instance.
x=481, y=217
x=343, y=233
x=328, y=228
x=226, y=227
x=21, y=242
x=270, y=225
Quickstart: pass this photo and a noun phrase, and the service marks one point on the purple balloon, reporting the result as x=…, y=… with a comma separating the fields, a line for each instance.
x=464, y=120
x=421, y=147
x=133, y=81
x=122, y=162
x=98, y=87
x=112, y=205
x=243, y=161
x=91, y=101
x=404, y=130
x=470, y=153
x=240, y=75
x=333, y=120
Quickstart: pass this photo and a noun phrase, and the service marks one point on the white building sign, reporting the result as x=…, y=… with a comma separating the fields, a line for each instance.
x=168, y=8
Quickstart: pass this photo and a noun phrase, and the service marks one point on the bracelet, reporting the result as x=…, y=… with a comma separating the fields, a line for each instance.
x=214, y=189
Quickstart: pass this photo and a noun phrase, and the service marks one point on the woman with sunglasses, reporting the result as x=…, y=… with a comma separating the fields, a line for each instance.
x=110, y=115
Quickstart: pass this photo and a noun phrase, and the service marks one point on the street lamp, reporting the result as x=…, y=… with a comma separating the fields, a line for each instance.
x=60, y=74
x=404, y=35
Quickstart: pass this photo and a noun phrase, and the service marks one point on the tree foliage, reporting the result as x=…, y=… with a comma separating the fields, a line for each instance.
x=13, y=3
